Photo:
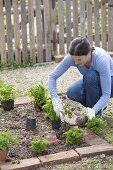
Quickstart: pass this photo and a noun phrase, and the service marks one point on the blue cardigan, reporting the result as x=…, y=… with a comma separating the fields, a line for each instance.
x=101, y=62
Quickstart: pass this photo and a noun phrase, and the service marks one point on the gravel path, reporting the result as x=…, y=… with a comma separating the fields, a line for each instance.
x=23, y=78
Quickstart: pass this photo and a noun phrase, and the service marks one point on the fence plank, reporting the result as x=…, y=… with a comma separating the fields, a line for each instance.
x=110, y=25
x=82, y=17
x=2, y=35
x=68, y=23
x=71, y=19
x=61, y=26
x=75, y=18
x=47, y=29
x=9, y=31
x=24, y=31
x=97, y=23
x=39, y=31
x=89, y=21
x=104, y=24
x=16, y=32
x=31, y=30
x=53, y=26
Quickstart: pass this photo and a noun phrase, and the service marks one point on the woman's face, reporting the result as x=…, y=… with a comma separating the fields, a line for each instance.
x=82, y=60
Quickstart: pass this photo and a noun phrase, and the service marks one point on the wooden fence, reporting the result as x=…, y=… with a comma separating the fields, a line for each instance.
x=36, y=30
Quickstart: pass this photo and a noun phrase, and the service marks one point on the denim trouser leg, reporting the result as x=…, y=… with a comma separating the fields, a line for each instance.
x=112, y=87
x=92, y=88
x=86, y=91
x=76, y=92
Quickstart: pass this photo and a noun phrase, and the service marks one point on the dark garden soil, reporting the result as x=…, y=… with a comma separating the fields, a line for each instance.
x=15, y=122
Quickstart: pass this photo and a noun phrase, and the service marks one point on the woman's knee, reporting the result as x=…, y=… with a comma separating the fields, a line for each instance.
x=74, y=94
x=70, y=93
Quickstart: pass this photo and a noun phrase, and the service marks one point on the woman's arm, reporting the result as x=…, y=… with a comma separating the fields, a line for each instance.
x=59, y=70
x=103, y=68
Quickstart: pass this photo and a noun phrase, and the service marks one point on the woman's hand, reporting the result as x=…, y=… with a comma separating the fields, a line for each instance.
x=90, y=113
x=57, y=106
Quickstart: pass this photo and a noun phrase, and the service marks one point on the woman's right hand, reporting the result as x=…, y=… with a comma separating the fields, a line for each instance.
x=57, y=106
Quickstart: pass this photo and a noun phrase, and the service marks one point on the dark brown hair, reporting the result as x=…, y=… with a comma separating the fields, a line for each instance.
x=79, y=46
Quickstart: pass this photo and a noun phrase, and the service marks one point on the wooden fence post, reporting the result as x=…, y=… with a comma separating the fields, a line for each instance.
x=61, y=26
x=68, y=23
x=82, y=17
x=75, y=18
x=47, y=29
x=2, y=35
x=16, y=32
x=104, y=24
x=24, y=31
x=110, y=25
x=31, y=30
x=9, y=31
x=89, y=21
x=39, y=31
x=97, y=22
x=53, y=26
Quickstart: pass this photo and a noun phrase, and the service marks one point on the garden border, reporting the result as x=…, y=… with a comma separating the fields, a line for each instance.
x=98, y=146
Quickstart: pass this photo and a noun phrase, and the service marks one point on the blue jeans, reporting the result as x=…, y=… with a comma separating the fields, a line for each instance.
x=87, y=90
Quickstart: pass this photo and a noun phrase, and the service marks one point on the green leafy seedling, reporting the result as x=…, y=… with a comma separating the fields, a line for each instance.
x=74, y=136
x=6, y=140
x=39, y=94
x=38, y=146
x=48, y=110
x=96, y=124
x=6, y=92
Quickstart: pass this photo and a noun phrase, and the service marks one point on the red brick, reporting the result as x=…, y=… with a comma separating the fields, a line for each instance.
x=59, y=157
x=93, y=139
x=51, y=137
x=95, y=150
x=22, y=100
x=25, y=164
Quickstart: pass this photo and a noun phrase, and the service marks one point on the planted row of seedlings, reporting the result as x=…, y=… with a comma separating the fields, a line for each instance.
x=43, y=102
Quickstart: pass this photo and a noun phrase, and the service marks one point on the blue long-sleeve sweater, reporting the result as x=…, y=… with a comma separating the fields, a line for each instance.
x=101, y=62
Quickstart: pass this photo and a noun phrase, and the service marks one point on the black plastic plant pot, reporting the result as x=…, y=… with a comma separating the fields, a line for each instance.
x=56, y=124
x=7, y=105
x=31, y=123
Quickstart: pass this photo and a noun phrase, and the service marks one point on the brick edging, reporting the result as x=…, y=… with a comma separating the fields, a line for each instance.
x=61, y=157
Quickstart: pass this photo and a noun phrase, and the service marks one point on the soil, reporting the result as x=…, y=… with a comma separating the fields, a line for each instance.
x=15, y=122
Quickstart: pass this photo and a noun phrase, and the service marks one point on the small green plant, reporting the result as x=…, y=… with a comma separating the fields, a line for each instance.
x=74, y=136
x=67, y=111
x=6, y=140
x=6, y=92
x=39, y=93
x=96, y=124
x=38, y=146
x=48, y=110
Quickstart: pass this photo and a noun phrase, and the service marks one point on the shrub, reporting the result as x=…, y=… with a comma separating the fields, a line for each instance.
x=96, y=124
x=6, y=140
x=7, y=92
x=39, y=94
x=74, y=136
x=38, y=146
